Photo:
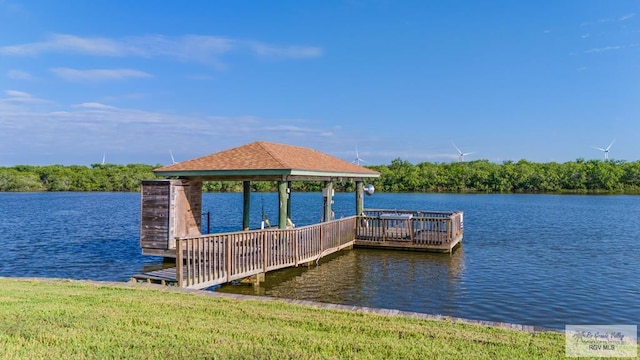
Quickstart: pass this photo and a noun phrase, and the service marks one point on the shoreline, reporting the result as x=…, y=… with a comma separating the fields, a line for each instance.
x=531, y=329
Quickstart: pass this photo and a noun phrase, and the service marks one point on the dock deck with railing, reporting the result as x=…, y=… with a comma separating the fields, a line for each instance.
x=437, y=231
x=214, y=259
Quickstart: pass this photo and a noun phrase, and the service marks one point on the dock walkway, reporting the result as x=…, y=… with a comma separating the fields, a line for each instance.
x=214, y=259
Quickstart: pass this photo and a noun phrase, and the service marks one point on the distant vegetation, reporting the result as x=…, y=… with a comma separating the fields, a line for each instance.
x=580, y=176
x=98, y=177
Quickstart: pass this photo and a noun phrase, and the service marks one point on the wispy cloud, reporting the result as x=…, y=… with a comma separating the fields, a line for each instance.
x=73, y=131
x=16, y=93
x=201, y=77
x=296, y=52
x=627, y=17
x=188, y=48
x=69, y=44
x=610, y=48
x=603, y=49
x=15, y=96
x=94, y=106
x=609, y=20
x=98, y=74
x=19, y=75
x=298, y=130
x=16, y=104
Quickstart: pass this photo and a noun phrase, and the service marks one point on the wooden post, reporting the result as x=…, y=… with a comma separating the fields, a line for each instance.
x=410, y=224
x=359, y=198
x=282, y=209
x=328, y=199
x=246, y=190
x=179, y=262
x=288, y=199
x=228, y=257
x=263, y=239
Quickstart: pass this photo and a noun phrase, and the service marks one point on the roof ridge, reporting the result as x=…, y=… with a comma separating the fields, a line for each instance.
x=278, y=160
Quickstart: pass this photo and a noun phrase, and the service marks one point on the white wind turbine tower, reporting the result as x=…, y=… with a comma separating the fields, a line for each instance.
x=605, y=150
x=461, y=155
x=104, y=157
x=357, y=160
x=173, y=160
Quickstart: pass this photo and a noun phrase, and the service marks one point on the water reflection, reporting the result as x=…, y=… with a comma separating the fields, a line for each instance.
x=376, y=278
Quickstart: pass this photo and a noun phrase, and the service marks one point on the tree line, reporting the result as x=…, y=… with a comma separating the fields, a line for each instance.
x=580, y=176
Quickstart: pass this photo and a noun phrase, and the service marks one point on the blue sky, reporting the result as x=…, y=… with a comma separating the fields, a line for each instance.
x=135, y=80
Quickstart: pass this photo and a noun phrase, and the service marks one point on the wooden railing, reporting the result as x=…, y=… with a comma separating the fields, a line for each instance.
x=207, y=260
x=415, y=213
x=212, y=259
x=420, y=228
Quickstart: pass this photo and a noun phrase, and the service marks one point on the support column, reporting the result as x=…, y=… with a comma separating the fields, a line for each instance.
x=282, y=207
x=359, y=197
x=327, y=194
x=289, y=199
x=246, y=204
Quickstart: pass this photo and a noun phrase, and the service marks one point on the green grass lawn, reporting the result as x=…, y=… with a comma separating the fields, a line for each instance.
x=61, y=319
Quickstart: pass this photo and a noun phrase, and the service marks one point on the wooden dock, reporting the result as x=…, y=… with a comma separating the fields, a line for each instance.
x=434, y=231
x=214, y=259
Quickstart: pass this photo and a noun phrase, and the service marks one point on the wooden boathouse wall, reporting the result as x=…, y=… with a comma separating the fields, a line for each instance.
x=170, y=209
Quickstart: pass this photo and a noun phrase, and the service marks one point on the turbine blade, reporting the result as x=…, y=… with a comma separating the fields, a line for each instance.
x=459, y=151
x=609, y=147
x=599, y=148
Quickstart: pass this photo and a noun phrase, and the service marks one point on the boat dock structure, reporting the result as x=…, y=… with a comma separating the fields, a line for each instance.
x=171, y=213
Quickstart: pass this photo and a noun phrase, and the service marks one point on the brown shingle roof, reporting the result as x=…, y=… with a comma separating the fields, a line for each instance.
x=262, y=155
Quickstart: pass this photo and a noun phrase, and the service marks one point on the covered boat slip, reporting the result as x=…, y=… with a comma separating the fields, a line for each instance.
x=171, y=213
x=172, y=208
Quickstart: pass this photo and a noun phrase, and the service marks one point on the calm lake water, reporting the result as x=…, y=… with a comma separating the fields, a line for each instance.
x=545, y=260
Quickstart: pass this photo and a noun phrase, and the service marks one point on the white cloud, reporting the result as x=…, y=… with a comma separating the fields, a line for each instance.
x=627, y=17
x=298, y=130
x=603, y=49
x=296, y=52
x=98, y=74
x=188, y=48
x=74, y=132
x=20, y=97
x=19, y=75
x=94, y=106
x=201, y=77
x=608, y=20
x=68, y=43
x=16, y=93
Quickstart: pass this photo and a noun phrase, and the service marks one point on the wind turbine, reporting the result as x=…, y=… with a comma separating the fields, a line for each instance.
x=357, y=160
x=173, y=160
x=461, y=155
x=605, y=150
x=104, y=157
